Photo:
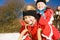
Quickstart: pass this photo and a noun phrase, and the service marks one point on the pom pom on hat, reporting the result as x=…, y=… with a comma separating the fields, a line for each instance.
x=47, y=0
x=35, y=0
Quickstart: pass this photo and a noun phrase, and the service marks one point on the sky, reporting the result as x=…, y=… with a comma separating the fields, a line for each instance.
x=54, y=3
x=51, y=3
x=2, y=2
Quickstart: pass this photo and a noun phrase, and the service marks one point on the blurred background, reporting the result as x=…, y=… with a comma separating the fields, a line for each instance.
x=10, y=14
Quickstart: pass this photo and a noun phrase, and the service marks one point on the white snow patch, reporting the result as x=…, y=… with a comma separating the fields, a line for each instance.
x=9, y=36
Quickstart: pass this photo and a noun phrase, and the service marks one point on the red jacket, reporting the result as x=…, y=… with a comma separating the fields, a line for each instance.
x=47, y=13
x=46, y=30
x=32, y=31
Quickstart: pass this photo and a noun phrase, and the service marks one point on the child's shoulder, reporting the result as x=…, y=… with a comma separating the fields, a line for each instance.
x=49, y=9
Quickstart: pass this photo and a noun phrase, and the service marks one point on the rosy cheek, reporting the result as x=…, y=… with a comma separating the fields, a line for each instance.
x=26, y=20
x=38, y=7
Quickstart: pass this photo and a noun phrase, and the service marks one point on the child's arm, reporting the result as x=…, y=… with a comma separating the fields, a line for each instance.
x=22, y=34
x=39, y=34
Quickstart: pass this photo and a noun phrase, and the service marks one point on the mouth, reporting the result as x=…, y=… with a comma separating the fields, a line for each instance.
x=31, y=23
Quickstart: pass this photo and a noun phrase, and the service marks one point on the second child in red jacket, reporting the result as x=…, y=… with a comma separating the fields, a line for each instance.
x=49, y=32
x=29, y=29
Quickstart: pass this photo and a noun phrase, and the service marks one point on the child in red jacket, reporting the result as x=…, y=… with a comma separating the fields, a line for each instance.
x=30, y=30
x=49, y=32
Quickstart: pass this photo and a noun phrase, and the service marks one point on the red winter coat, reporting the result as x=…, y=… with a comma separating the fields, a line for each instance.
x=32, y=31
x=47, y=13
x=46, y=30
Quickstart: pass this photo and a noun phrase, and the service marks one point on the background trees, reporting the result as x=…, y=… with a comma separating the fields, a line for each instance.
x=9, y=15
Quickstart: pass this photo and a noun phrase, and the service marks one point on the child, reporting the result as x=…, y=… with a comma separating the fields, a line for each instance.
x=49, y=32
x=42, y=9
x=30, y=30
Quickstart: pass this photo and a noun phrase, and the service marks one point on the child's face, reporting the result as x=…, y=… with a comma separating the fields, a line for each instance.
x=41, y=5
x=30, y=20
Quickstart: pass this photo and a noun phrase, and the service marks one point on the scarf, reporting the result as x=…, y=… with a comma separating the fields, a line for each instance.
x=41, y=12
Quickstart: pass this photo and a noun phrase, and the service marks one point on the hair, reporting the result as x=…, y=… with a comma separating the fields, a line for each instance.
x=29, y=7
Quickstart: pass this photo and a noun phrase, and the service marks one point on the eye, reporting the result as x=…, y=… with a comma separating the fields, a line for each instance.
x=25, y=17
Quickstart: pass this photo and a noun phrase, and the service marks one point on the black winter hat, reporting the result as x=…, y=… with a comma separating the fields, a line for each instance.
x=31, y=13
x=40, y=1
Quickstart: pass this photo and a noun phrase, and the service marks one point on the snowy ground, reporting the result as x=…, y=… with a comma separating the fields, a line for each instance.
x=9, y=36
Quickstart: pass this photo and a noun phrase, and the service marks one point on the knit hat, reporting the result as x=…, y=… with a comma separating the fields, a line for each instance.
x=40, y=1
x=31, y=13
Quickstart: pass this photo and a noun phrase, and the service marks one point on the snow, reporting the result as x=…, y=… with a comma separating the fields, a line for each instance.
x=9, y=36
